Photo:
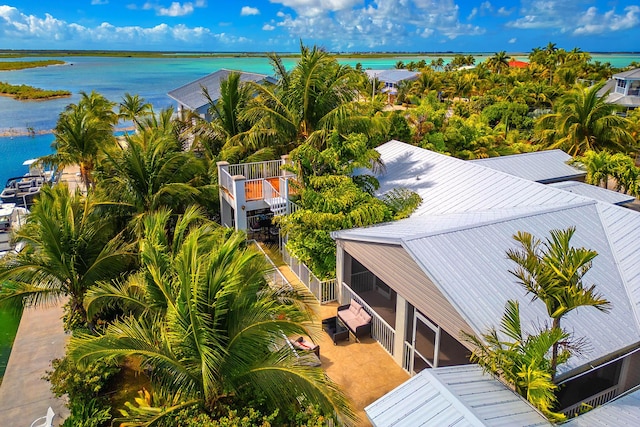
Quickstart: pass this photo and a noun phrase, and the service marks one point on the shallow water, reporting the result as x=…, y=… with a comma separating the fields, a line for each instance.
x=152, y=78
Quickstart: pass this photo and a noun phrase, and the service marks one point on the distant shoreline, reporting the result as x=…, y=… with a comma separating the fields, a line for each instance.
x=10, y=133
x=11, y=53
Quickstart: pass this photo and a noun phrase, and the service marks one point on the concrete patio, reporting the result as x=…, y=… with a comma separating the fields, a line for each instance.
x=364, y=370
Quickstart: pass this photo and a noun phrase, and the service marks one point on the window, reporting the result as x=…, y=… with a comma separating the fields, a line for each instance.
x=620, y=86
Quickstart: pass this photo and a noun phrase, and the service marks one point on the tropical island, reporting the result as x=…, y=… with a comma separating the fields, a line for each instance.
x=170, y=275
x=25, y=92
x=30, y=93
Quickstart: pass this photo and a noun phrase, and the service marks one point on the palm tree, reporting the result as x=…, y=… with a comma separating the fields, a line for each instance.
x=584, y=121
x=597, y=165
x=133, y=107
x=498, y=62
x=80, y=136
x=552, y=271
x=69, y=246
x=521, y=360
x=150, y=171
x=308, y=103
x=220, y=337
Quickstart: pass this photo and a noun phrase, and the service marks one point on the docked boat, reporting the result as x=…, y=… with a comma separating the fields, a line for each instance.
x=12, y=217
x=23, y=190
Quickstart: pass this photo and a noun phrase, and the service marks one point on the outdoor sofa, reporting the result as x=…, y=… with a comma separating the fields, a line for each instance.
x=355, y=318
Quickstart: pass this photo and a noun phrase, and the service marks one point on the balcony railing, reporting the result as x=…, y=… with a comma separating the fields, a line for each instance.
x=594, y=401
x=226, y=182
x=381, y=331
x=257, y=170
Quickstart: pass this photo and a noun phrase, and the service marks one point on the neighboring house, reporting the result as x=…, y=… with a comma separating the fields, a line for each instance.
x=623, y=89
x=426, y=278
x=514, y=63
x=392, y=78
x=191, y=97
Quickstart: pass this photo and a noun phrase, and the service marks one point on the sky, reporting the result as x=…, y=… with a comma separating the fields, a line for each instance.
x=335, y=25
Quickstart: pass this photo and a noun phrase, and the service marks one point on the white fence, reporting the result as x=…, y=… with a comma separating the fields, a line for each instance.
x=381, y=331
x=324, y=290
x=257, y=170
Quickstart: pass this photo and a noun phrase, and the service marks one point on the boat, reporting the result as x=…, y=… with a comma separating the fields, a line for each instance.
x=23, y=190
x=12, y=217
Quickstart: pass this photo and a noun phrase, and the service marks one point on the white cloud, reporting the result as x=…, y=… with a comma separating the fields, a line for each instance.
x=574, y=17
x=30, y=31
x=99, y=2
x=390, y=23
x=176, y=9
x=268, y=27
x=504, y=11
x=593, y=23
x=248, y=10
x=512, y=40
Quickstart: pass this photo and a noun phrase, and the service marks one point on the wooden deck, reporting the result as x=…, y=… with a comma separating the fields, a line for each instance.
x=253, y=188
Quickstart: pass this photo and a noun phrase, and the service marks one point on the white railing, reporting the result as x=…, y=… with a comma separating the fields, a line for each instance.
x=381, y=331
x=323, y=290
x=257, y=170
x=407, y=358
x=226, y=182
x=273, y=275
x=268, y=192
x=593, y=402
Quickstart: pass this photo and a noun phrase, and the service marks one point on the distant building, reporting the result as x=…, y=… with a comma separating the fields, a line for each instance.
x=391, y=79
x=191, y=96
x=514, y=63
x=623, y=89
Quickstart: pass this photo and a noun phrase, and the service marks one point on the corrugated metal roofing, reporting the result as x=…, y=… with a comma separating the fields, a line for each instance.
x=449, y=185
x=629, y=75
x=460, y=233
x=191, y=96
x=392, y=76
x=594, y=192
x=622, y=412
x=453, y=396
x=541, y=166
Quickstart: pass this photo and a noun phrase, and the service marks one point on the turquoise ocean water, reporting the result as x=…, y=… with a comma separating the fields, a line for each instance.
x=151, y=78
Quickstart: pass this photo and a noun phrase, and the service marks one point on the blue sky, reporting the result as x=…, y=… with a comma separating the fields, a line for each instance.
x=337, y=25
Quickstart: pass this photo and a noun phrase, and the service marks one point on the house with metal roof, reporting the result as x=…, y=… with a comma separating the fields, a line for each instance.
x=191, y=96
x=443, y=270
x=623, y=89
x=454, y=396
x=392, y=78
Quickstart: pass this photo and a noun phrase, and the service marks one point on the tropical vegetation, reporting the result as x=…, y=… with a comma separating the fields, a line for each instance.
x=552, y=272
x=154, y=286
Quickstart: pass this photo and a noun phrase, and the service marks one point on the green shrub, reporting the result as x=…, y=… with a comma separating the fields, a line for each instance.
x=87, y=414
x=81, y=385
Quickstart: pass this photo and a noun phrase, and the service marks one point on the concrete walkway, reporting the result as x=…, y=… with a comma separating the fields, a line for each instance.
x=24, y=395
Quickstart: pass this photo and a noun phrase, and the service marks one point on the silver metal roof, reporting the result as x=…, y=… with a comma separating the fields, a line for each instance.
x=622, y=412
x=460, y=233
x=191, y=96
x=392, y=76
x=628, y=75
x=453, y=396
x=450, y=185
x=594, y=192
x=541, y=166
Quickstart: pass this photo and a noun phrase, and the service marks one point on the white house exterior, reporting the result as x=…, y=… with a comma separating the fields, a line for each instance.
x=623, y=89
x=444, y=270
x=191, y=96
